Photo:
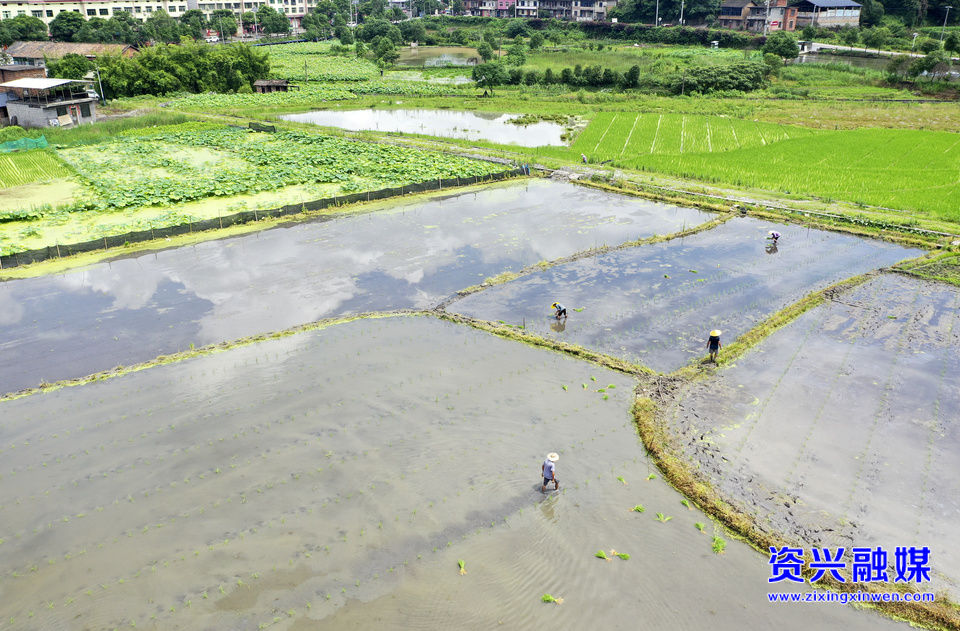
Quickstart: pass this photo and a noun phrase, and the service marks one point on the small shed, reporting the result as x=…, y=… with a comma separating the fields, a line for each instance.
x=265, y=86
x=48, y=103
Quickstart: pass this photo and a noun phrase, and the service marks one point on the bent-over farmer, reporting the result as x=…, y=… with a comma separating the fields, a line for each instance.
x=561, y=310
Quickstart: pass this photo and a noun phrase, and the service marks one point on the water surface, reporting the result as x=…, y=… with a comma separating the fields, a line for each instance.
x=656, y=304
x=489, y=126
x=411, y=255
x=335, y=477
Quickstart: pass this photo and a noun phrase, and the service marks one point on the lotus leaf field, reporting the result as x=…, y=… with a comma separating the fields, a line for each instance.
x=291, y=60
x=241, y=162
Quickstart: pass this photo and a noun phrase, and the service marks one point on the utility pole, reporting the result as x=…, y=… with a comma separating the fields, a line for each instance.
x=944, y=25
x=681, y=12
x=766, y=19
x=656, y=17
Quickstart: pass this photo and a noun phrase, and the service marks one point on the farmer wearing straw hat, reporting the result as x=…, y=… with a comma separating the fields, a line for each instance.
x=561, y=310
x=713, y=343
x=549, y=470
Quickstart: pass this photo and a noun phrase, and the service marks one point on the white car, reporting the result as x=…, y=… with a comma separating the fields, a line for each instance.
x=213, y=39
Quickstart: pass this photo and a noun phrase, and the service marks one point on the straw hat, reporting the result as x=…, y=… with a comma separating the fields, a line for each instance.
x=716, y=332
x=552, y=457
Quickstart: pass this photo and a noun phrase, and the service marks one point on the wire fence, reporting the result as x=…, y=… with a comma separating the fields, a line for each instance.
x=115, y=241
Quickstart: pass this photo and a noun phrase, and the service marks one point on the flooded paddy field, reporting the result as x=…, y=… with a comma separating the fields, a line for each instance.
x=410, y=255
x=335, y=477
x=472, y=125
x=842, y=427
x=656, y=304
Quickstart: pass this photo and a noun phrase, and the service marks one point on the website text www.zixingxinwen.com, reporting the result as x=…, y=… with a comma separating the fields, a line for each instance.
x=855, y=597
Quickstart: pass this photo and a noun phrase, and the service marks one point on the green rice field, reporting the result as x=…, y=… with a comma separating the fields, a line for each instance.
x=900, y=169
x=29, y=167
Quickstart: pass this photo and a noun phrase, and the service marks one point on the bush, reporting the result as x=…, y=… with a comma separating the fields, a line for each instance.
x=744, y=75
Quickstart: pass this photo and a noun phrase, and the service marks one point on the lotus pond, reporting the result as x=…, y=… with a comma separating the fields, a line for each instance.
x=850, y=413
x=487, y=126
x=379, y=469
x=404, y=255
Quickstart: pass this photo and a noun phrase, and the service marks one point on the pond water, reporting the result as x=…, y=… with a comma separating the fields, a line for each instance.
x=336, y=477
x=656, y=304
x=438, y=56
x=488, y=126
x=852, y=411
x=409, y=254
x=875, y=63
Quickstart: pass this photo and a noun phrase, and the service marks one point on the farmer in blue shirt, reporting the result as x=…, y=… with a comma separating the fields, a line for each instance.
x=549, y=470
x=561, y=310
x=713, y=343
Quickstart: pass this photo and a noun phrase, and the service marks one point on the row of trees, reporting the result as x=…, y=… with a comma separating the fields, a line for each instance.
x=165, y=69
x=742, y=76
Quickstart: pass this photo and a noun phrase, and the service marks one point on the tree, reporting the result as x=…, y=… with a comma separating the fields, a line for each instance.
x=160, y=27
x=360, y=50
x=485, y=51
x=933, y=65
x=188, y=17
x=517, y=53
x=457, y=7
x=516, y=27
x=386, y=51
x=317, y=25
x=65, y=26
x=875, y=38
x=271, y=21
x=871, y=13
x=70, y=66
x=632, y=78
x=850, y=36
x=952, y=43
x=26, y=28
x=490, y=75
x=248, y=21
x=782, y=44
x=490, y=36
x=378, y=27
x=413, y=31
x=809, y=32
x=536, y=41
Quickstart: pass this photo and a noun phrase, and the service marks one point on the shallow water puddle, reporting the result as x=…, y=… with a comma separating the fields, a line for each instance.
x=656, y=304
x=288, y=481
x=852, y=411
x=473, y=125
x=410, y=256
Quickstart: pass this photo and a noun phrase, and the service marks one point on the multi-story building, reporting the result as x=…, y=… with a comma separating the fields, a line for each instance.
x=580, y=10
x=758, y=16
x=46, y=10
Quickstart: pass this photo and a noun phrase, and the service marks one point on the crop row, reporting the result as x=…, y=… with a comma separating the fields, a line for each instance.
x=624, y=135
x=27, y=167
